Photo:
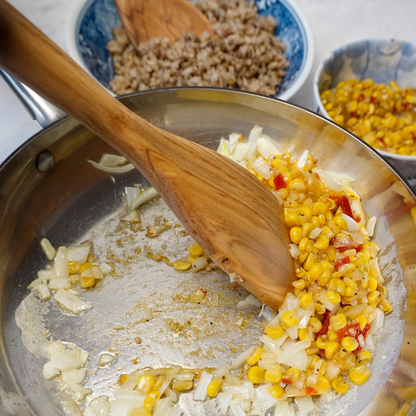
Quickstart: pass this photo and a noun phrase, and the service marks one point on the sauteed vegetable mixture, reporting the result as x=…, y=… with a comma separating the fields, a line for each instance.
x=321, y=340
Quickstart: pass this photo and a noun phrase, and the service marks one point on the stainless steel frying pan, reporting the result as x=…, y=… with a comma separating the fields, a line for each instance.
x=47, y=189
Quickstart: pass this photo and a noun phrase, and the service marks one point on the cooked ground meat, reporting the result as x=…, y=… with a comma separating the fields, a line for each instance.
x=244, y=55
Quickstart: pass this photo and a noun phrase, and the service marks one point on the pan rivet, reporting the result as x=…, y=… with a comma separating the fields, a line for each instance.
x=45, y=161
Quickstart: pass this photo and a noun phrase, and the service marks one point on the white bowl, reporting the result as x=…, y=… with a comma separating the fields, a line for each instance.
x=379, y=59
x=89, y=25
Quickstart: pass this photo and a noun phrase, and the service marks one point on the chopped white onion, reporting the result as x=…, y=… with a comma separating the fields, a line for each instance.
x=199, y=264
x=240, y=322
x=114, y=169
x=222, y=148
x=369, y=343
x=105, y=268
x=100, y=406
x=378, y=322
x=145, y=196
x=315, y=232
x=43, y=292
x=352, y=225
x=375, y=268
x=46, y=274
x=71, y=301
x=109, y=160
x=222, y=371
x=371, y=225
x=132, y=217
x=200, y=393
x=264, y=399
x=304, y=319
x=266, y=147
x=249, y=302
x=305, y=405
x=77, y=375
x=79, y=253
x=59, y=283
x=94, y=271
x=294, y=250
x=284, y=408
x=171, y=394
x=61, y=262
x=234, y=137
x=295, y=349
x=47, y=248
x=262, y=168
x=79, y=391
x=236, y=407
x=224, y=400
x=234, y=277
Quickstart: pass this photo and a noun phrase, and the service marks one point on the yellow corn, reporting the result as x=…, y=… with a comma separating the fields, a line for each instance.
x=84, y=266
x=158, y=382
x=183, y=385
x=372, y=284
x=359, y=374
x=145, y=384
x=195, y=250
x=364, y=357
x=324, y=277
x=297, y=185
x=150, y=400
x=293, y=220
x=331, y=348
x=333, y=297
x=295, y=234
x=86, y=282
x=289, y=319
x=293, y=374
x=73, y=267
x=181, y=265
x=320, y=343
x=340, y=222
x=308, y=263
x=214, y=387
x=307, y=213
x=306, y=229
x=255, y=357
x=373, y=297
x=306, y=300
x=319, y=208
x=273, y=374
x=315, y=323
x=385, y=306
x=299, y=284
x=303, y=244
x=322, y=242
x=338, y=321
x=362, y=320
x=337, y=285
x=350, y=344
x=274, y=331
x=315, y=271
x=256, y=375
x=303, y=333
x=276, y=391
x=340, y=385
x=322, y=383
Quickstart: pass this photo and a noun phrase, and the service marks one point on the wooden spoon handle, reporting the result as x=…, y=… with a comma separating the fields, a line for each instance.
x=228, y=211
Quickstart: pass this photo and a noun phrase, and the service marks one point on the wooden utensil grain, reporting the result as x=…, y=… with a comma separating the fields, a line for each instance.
x=148, y=19
x=228, y=211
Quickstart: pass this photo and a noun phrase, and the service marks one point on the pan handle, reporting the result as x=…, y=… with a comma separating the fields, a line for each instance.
x=39, y=109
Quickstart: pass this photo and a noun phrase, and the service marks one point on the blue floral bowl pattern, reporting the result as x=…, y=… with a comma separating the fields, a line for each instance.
x=89, y=31
x=382, y=60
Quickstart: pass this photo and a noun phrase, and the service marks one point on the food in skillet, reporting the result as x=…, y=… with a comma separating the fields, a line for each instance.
x=245, y=54
x=322, y=338
x=382, y=115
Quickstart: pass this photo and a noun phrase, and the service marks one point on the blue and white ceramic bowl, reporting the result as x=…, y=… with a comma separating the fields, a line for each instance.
x=381, y=60
x=90, y=22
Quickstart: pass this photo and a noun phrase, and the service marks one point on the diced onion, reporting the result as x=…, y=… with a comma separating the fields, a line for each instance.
x=59, y=283
x=351, y=223
x=294, y=250
x=262, y=168
x=241, y=359
x=266, y=147
x=199, y=264
x=224, y=400
x=132, y=217
x=114, y=169
x=249, y=302
x=109, y=160
x=105, y=268
x=200, y=393
x=315, y=232
x=47, y=248
x=284, y=408
x=61, y=262
x=305, y=405
x=234, y=277
x=145, y=196
x=79, y=253
x=371, y=224
x=71, y=301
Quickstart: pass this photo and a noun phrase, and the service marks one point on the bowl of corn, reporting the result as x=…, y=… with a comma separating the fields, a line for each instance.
x=369, y=88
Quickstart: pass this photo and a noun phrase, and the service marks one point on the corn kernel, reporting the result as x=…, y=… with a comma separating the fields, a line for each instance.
x=324, y=277
x=273, y=374
x=308, y=263
x=183, y=385
x=276, y=391
x=385, y=306
x=86, y=282
x=255, y=357
x=362, y=320
x=350, y=344
x=320, y=343
x=338, y=321
x=195, y=250
x=315, y=323
x=145, y=384
x=332, y=335
x=84, y=266
x=373, y=297
x=331, y=347
x=256, y=375
x=299, y=284
x=364, y=357
x=303, y=244
x=322, y=242
x=315, y=271
x=340, y=385
x=322, y=383
x=150, y=400
x=337, y=285
x=340, y=222
x=290, y=319
x=274, y=331
x=297, y=185
x=319, y=208
x=359, y=374
x=306, y=229
x=181, y=265
x=306, y=212
x=372, y=284
x=306, y=301
x=214, y=387
x=295, y=234
x=293, y=220
x=293, y=374
x=333, y=297
x=73, y=267
x=158, y=382
x=303, y=333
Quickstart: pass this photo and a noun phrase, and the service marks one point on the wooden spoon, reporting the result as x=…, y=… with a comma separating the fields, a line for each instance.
x=228, y=211
x=148, y=19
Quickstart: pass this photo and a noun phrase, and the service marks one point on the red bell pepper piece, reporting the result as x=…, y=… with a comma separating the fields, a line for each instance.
x=341, y=262
x=279, y=182
x=286, y=380
x=310, y=391
x=353, y=331
x=325, y=324
x=344, y=203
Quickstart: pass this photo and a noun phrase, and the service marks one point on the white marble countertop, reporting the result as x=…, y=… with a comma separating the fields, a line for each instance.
x=333, y=23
